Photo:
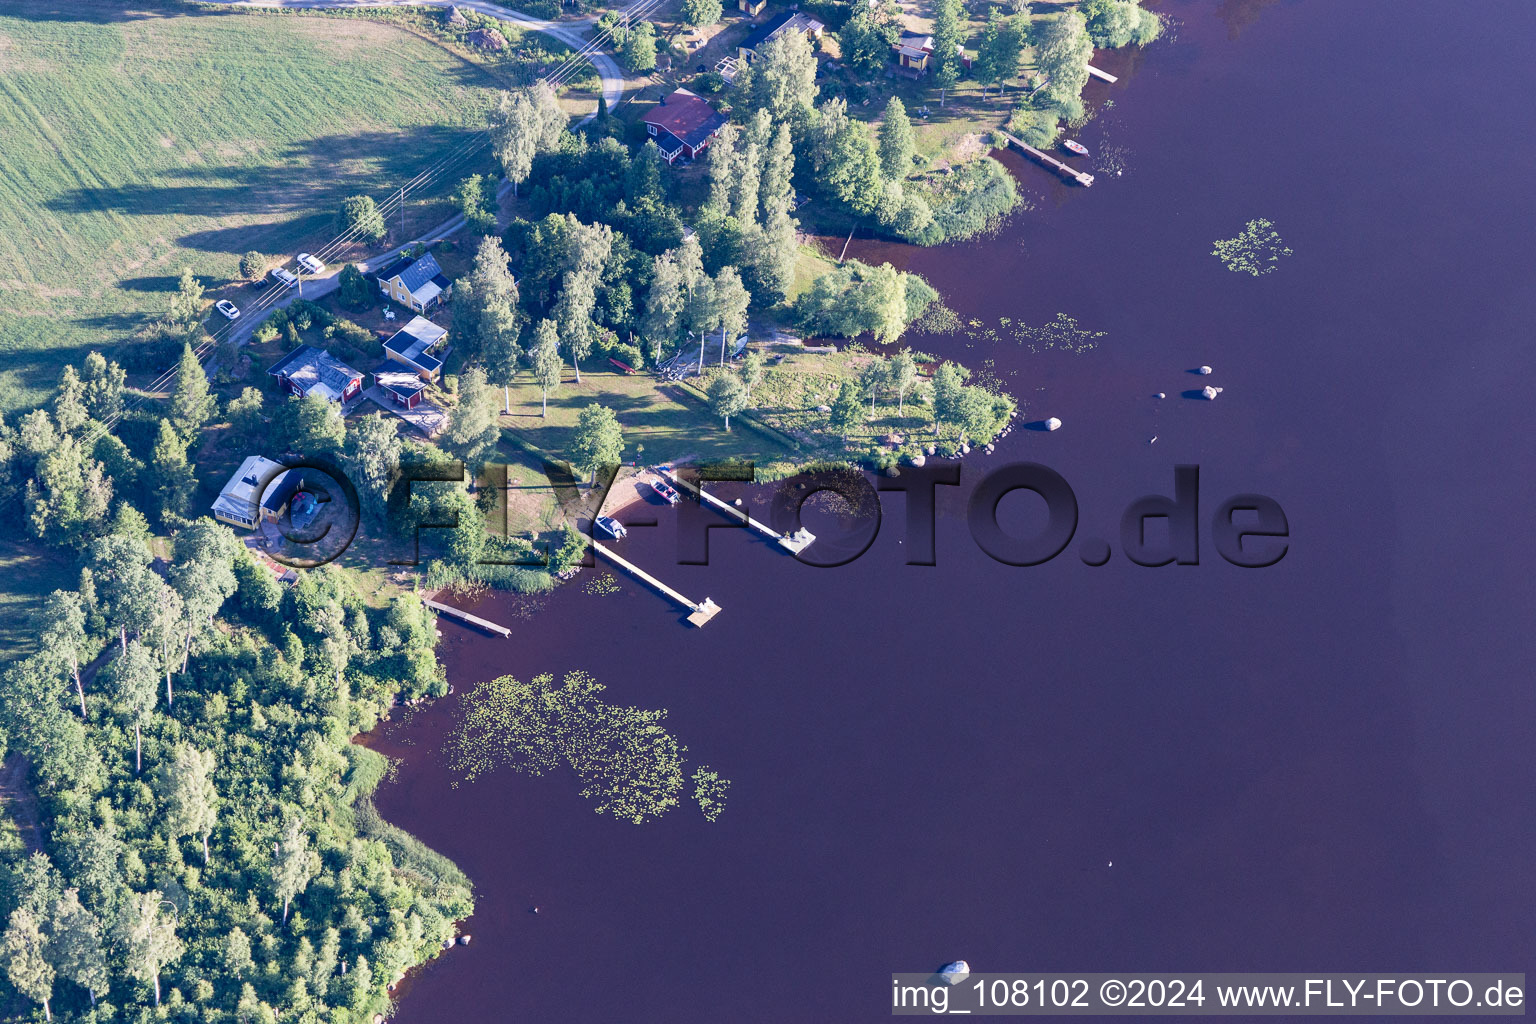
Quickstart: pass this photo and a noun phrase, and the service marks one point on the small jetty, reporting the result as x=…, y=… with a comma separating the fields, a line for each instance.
x=463, y=616
x=794, y=543
x=1083, y=178
x=700, y=612
x=1102, y=75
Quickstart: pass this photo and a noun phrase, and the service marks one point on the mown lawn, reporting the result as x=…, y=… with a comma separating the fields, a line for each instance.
x=142, y=140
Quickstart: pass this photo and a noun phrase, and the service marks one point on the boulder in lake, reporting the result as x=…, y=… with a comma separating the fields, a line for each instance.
x=955, y=972
x=1204, y=371
x=918, y=460
x=1210, y=393
x=1053, y=424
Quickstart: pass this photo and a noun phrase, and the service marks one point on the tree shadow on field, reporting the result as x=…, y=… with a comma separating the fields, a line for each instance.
x=305, y=182
x=105, y=12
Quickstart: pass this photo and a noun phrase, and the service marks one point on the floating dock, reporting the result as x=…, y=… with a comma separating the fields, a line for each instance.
x=1083, y=178
x=1103, y=75
x=463, y=616
x=700, y=612
x=794, y=543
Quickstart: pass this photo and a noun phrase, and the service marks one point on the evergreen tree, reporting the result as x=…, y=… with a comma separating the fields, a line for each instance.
x=897, y=142
x=191, y=404
x=486, y=312
x=69, y=408
x=105, y=384
x=187, y=306
x=175, y=480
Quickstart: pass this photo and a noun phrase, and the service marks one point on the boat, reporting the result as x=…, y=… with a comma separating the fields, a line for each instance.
x=1076, y=147
x=611, y=526
x=665, y=491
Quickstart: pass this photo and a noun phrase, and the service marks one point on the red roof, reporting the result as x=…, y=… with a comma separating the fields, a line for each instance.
x=685, y=115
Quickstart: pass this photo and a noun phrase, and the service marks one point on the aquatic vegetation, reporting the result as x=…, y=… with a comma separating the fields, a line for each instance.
x=627, y=763
x=602, y=585
x=709, y=790
x=1255, y=251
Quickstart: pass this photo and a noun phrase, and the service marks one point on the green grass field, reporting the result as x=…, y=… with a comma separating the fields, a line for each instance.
x=141, y=140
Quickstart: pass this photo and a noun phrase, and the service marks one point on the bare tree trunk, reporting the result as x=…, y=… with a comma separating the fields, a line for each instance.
x=74, y=665
x=506, y=399
x=157, y=988
x=286, y=900
x=138, y=750
x=722, y=345
x=205, y=849
x=577, y=366
x=122, y=638
x=186, y=649
x=170, y=699
x=545, y=398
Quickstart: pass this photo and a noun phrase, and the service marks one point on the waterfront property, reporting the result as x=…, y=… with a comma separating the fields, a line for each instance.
x=259, y=489
x=417, y=284
x=308, y=370
x=782, y=24
x=419, y=346
x=683, y=125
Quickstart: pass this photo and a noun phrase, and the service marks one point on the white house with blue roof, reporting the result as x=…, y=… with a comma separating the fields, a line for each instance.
x=416, y=284
x=420, y=345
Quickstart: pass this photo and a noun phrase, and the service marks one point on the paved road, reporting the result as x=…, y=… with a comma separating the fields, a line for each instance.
x=567, y=32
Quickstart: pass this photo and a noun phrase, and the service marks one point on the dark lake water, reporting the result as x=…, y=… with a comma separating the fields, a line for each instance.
x=1326, y=765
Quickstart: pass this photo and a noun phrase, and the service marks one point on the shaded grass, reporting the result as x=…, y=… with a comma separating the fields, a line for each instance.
x=31, y=572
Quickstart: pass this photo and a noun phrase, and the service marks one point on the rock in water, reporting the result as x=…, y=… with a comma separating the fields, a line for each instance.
x=1161, y=395
x=1053, y=424
x=1205, y=371
x=1210, y=393
x=956, y=972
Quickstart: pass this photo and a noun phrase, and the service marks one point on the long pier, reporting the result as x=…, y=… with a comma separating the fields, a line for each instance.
x=1105, y=75
x=463, y=616
x=1083, y=178
x=700, y=612
x=794, y=543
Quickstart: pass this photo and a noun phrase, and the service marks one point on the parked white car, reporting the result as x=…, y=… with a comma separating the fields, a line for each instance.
x=284, y=277
x=229, y=309
x=311, y=264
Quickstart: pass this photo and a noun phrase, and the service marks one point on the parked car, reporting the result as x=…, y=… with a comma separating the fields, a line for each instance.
x=610, y=526
x=229, y=309
x=665, y=491
x=284, y=277
x=311, y=264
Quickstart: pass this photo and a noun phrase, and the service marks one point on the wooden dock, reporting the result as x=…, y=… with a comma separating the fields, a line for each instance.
x=793, y=543
x=699, y=612
x=1083, y=178
x=463, y=616
x=1102, y=75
